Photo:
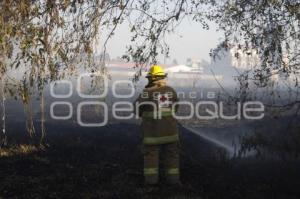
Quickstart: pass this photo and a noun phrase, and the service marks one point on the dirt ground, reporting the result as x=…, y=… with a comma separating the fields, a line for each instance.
x=107, y=163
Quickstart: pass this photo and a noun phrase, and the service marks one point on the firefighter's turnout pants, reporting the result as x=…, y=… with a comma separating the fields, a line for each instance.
x=160, y=150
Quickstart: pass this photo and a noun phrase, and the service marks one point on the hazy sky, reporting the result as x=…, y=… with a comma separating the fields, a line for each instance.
x=189, y=41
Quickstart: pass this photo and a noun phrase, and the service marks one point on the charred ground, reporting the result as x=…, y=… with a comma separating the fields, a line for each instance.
x=107, y=163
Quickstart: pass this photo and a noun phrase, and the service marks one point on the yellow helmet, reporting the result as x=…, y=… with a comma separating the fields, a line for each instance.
x=156, y=71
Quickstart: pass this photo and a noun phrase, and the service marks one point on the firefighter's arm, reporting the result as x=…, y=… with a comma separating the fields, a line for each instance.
x=175, y=99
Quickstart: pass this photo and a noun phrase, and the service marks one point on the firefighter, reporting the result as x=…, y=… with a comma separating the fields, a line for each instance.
x=159, y=128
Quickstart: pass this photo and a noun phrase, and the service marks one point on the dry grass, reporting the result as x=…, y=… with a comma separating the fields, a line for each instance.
x=22, y=149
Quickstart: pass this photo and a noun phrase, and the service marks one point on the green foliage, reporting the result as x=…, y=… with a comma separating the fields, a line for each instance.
x=46, y=36
x=41, y=34
x=270, y=27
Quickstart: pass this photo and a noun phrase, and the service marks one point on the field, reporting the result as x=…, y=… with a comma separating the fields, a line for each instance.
x=107, y=163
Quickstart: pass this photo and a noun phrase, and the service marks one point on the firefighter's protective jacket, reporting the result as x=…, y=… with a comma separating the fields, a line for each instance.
x=155, y=106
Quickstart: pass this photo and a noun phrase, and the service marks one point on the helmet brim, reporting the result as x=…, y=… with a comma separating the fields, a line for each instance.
x=155, y=76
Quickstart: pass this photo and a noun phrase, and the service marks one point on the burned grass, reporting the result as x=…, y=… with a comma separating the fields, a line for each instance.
x=107, y=163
